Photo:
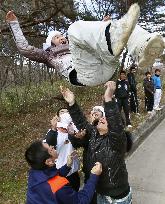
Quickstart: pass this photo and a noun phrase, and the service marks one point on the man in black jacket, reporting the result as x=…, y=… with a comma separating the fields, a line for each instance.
x=106, y=143
x=149, y=90
x=122, y=97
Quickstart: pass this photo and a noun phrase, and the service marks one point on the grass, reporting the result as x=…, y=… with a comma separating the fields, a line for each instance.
x=20, y=124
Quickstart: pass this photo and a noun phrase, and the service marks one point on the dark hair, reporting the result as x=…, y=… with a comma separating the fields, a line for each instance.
x=36, y=155
x=157, y=70
x=122, y=72
x=132, y=67
x=147, y=73
x=58, y=111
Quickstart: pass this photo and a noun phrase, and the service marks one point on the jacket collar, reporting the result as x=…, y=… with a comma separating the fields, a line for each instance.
x=39, y=176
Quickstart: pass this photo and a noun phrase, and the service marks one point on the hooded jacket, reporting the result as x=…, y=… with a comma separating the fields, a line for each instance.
x=109, y=149
x=50, y=187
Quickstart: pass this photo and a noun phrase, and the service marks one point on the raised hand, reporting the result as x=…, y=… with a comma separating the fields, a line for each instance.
x=97, y=169
x=68, y=95
x=110, y=89
x=10, y=16
x=71, y=157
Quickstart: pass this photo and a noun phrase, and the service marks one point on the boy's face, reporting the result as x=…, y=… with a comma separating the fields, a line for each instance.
x=52, y=152
x=122, y=76
x=157, y=72
x=59, y=40
x=148, y=76
x=133, y=71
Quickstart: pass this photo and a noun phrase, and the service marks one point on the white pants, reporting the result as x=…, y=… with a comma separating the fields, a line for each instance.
x=90, y=55
x=157, y=98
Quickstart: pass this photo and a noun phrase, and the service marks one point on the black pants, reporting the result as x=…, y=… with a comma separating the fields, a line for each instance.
x=149, y=101
x=134, y=107
x=123, y=103
x=74, y=181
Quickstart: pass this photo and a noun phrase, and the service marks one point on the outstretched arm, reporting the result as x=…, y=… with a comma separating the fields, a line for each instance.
x=113, y=117
x=85, y=195
x=24, y=48
x=77, y=116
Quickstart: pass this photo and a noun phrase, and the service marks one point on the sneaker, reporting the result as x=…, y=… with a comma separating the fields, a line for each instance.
x=151, y=50
x=158, y=109
x=129, y=126
x=120, y=30
x=149, y=112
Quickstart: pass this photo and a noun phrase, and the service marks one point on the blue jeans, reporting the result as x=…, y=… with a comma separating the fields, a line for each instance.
x=101, y=199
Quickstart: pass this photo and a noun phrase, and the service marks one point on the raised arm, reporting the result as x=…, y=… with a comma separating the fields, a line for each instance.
x=85, y=195
x=115, y=126
x=77, y=116
x=24, y=48
x=112, y=113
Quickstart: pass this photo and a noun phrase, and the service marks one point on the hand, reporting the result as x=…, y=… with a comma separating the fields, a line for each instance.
x=109, y=92
x=68, y=95
x=97, y=169
x=10, y=16
x=54, y=122
x=71, y=157
x=106, y=18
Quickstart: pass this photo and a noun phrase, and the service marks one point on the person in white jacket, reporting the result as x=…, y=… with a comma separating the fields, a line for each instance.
x=91, y=57
x=57, y=136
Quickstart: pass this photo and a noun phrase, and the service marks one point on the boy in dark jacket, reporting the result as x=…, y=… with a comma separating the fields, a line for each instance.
x=122, y=96
x=148, y=84
x=106, y=143
x=47, y=185
x=133, y=90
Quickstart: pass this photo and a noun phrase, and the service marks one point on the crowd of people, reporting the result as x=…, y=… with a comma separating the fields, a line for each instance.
x=127, y=95
x=89, y=59
x=54, y=177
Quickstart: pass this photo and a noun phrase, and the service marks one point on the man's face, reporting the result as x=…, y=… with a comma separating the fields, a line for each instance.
x=122, y=76
x=133, y=71
x=51, y=151
x=102, y=125
x=59, y=39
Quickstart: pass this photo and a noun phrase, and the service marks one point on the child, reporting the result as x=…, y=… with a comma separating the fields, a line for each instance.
x=90, y=57
x=158, y=89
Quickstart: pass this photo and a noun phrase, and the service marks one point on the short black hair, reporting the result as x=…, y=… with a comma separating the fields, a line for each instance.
x=147, y=73
x=157, y=70
x=36, y=155
x=58, y=111
x=122, y=72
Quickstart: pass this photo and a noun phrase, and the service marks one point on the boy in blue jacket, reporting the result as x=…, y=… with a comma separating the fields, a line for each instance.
x=158, y=89
x=47, y=185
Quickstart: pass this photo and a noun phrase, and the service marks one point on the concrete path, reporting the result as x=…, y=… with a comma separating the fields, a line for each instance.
x=146, y=169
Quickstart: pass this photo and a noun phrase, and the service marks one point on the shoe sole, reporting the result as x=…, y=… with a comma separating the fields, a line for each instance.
x=153, y=50
x=134, y=12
